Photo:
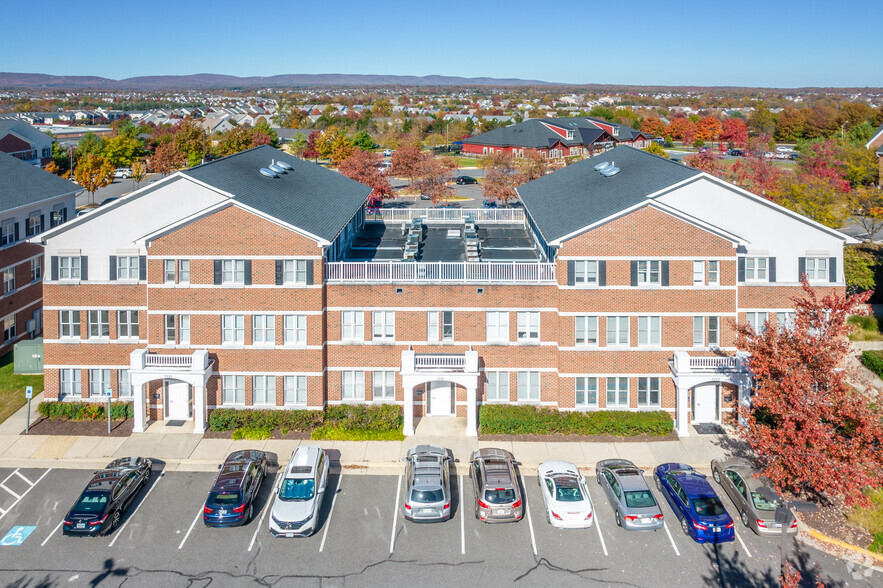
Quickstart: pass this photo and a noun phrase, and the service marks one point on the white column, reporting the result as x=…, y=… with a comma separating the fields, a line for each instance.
x=681, y=411
x=140, y=408
x=199, y=409
x=409, y=411
x=471, y=412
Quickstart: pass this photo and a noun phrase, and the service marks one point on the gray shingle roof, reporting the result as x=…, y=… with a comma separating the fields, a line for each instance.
x=577, y=196
x=310, y=197
x=22, y=183
x=534, y=134
x=30, y=134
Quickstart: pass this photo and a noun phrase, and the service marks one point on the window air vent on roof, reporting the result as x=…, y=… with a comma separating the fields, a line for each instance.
x=285, y=165
x=609, y=171
x=602, y=165
x=268, y=172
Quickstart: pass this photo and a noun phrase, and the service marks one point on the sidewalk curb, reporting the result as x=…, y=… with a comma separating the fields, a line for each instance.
x=830, y=545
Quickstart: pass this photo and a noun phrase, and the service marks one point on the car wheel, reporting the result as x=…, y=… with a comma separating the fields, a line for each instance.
x=598, y=477
x=250, y=512
x=744, y=516
x=684, y=527
x=115, y=520
x=716, y=474
x=618, y=519
x=658, y=483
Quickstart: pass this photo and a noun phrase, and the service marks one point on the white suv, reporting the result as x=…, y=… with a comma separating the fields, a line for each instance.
x=297, y=497
x=122, y=172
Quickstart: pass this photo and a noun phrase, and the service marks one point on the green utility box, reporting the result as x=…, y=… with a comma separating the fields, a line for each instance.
x=29, y=356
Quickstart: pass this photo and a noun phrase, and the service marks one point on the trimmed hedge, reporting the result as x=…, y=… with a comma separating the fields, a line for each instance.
x=352, y=417
x=337, y=433
x=85, y=411
x=873, y=360
x=507, y=419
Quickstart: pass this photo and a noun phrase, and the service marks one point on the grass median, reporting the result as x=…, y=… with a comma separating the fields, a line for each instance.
x=12, y=387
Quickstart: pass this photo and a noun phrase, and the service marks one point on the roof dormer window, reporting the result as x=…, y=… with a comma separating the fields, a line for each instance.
x=570, y=135
x=615, y=131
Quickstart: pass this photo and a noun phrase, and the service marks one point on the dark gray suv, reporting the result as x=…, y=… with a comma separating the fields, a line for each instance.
x=428, y=489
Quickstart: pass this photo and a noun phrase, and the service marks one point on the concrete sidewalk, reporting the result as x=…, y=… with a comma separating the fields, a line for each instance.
x=181, y=450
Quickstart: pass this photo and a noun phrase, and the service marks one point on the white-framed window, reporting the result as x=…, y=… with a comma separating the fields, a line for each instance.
x=69, y=380
x=757, y=321
x=69, y=267
x=617, y=392
x=58, y=215
x=233, y=328
x=295, y=329
x=127, y=324
x=125, y=384
x=816, y=269
x=352, y=325
x=232, y=271
x=36, y=269
x=294, y=390
x=447, y=325
x=294, y=271
x=497, y=325
x=7, y=232
x=785, y=320
x=756, y=269
x=714, y=273
x=168, y=271
x=585, y=273
x=714, y=333
x=528, y=387
x=99, y=324
x=496, y=386
x=383, y=325
x=648, y=391
x=698, y=331
x=169, y=328
x=586, y=392
x=233, y=390
x=699, y=273
x=586, y=330
x=263, y=390
x=617, y=331
x=383, y=385
x=99, y=382
x=528, y=326
x=648, y=273
x=8, y=280
x=432, y=326
x=69, y=324
x=352, y=384
x=9, y=328
x=263, y=329
x=649, y=331
x=35, y=226
x=183, y=271
x=127, y=268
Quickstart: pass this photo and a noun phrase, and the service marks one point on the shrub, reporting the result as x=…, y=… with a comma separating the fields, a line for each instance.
x=252, y=433
x=873, y=360
x=338, y=433
x=85, y=411
x=361, y=417
x=505, y=419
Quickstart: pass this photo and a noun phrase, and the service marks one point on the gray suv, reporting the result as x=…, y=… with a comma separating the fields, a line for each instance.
x=428, y=489
x=497, y=494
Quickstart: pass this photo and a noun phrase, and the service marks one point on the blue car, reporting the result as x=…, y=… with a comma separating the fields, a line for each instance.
x=702, y=515
x=230, y=502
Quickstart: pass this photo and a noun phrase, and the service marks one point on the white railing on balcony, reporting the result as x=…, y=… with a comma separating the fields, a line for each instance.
x=446, y=215
x=440, y=362
x=685, y=363
x=458, y=272
x=168, y=361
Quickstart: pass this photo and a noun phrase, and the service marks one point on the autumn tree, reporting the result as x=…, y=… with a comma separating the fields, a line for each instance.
x=865, y=207
x=501, y=178
x=756, y=173
x=654, y=126
x=341, y=148
x=363, y=166
x=166, y=158
x=709, y=129
x=812, y=432
x=433, y=175
x=790, y=124
x=706, y=161
x=681, y=128
x=406, y=161
x=93, y=172
x=534, y=166
x=820, y=199
x=363, y=141
x=139, y=173
x=121, y=150
x=761, y=121
x=656, y=149
x=310, y=149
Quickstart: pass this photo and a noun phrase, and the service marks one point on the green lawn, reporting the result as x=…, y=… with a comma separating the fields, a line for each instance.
x=463, y=161
x=871, y=519
x=12, y=387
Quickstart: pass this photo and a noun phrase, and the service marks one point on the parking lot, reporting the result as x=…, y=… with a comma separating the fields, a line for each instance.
x=363, y=539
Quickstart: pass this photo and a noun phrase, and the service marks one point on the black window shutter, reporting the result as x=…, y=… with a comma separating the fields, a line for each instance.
x=142, y=268
x=28, y=228
x=53, y=264
x=84, y=268
x=279, y=272
x=741, y=276
x=217, y=272
x=634, y=273
x=801, y=267
x=42, y=221
x=247, y=265
x=309, y=272
x=832, y=269
x=112, y=268
x=602, y=273
x=16, y=232
x=772, y=265
x=664, y=273
x=571, y=269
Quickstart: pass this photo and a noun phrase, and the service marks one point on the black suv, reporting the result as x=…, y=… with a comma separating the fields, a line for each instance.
x=230, y=502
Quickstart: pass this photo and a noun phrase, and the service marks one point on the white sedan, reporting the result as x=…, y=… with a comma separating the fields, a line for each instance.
x=568, y=504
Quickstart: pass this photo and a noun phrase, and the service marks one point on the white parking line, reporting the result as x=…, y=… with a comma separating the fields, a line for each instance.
x=600, y=536
x=193, y=524
x=670, y=538
x=395, y=515
x=20, y=475
x=263, y=513
x=330, y=512
x=745, y=547
x=533, y=540
x=120, y=530
x=54, y=531
x=8, y=490
x=17, y=500
x=462, y=520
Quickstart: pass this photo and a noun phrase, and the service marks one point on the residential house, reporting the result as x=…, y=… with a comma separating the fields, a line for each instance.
x=23, y=141
x=876, y=143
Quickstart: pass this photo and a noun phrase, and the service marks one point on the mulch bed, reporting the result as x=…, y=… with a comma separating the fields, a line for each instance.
x=81, y=428
x=301, y=435
x=830, y=521
x=672, y=436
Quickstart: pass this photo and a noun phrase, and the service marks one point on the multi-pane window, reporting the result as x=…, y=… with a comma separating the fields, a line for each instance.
x=497, y=326
x=35, y=225
x=586, y=330
x=756, y=320
x=353, y=385
x=9, y=328
x=183, y=271
x=69, y=268
x=617, y=330
x=383, y=385
x=528, y=326
x=99, y=323
x=99, y=382
x=648, y=273
x=294, y=389
x=447, y=317
x=713, y=273
x=169, y=328
x=8, y=280
x=69, y=380
x=785, y=320
x=294, y=271
x=36, y=269
x=648, y=391
x=352, y=325
x=263, y=329
x=383, y=325
x=233, y=328
x=816, y=269
x=69, y=323
x=585, y=273
x=649, y=331
x=58, y=216
x=127, y=268
x=756, y=269
x=432, y=325
x=7, y=232
x=698, y=331
x=698, y=273
x=617, y=392
x=125, y=384
x=127, y=324
x=714, y=335
x=295, y=329
x=233, y=389
x=528, y=386
x=168, y=271
x=263, y=389
x=497, y=386
x=232, y=271
x=586, y=392
x=184, y=328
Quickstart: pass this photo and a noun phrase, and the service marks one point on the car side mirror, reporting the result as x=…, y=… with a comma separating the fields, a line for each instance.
x=404, y=459
x=219, y=466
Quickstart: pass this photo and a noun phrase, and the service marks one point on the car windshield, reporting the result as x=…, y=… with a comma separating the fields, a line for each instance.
x=427, y=496
x=708, y=506
x=567, y=490
x=639, y=499
x=91, y=502
x=297, y=489
x=223, y=499
x=761, y=503
x=499, y=495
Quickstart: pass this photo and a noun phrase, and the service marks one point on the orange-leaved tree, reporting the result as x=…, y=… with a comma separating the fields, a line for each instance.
x=93, y=172
x=363, y=166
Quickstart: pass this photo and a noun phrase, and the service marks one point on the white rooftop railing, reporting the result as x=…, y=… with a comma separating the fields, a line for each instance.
x=448, y=272
x=446, y=215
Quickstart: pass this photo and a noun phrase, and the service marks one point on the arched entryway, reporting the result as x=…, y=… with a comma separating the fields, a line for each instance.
x=183, y=378
x=438, y=376
x=177, y=400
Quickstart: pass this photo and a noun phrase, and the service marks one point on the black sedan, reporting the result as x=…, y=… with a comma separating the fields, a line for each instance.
x=461, y=180
x=101, y=505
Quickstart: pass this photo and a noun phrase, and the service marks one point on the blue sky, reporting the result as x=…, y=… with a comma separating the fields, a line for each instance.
x=748, y=43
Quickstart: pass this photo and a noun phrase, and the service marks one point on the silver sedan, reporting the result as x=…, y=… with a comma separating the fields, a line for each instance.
x=634, y=505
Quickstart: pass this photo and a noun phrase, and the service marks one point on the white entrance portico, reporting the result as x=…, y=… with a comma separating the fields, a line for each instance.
x=441, y=373
x=704, y=376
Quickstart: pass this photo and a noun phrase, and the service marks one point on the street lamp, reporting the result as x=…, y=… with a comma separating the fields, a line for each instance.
x=447, y=140
x=785, y=516
x=846, y=122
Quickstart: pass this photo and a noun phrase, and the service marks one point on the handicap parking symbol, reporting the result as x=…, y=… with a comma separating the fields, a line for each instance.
x=16, y=536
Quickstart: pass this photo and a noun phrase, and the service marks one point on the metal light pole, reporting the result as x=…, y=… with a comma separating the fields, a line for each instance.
x=785, y=516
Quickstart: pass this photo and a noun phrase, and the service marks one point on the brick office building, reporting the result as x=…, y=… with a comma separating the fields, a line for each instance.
x=222, y=286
